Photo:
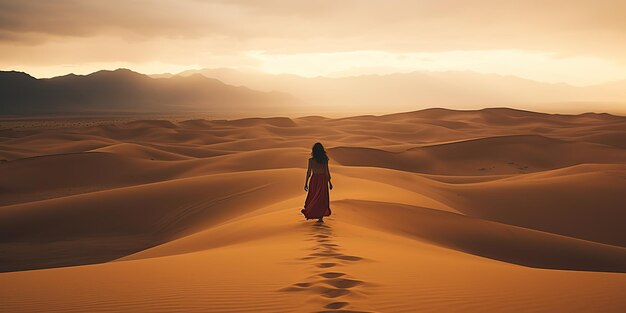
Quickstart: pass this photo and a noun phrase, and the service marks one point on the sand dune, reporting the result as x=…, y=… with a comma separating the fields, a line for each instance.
x=479, y=237
x=582, y=202
x=95, y=219
x=142, y=152
x=436, y=210
x=491, y=155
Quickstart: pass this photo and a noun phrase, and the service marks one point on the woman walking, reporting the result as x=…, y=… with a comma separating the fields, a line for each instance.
x=317, y=203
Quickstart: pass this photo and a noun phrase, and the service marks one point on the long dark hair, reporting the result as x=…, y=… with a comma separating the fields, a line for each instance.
x=319, y=154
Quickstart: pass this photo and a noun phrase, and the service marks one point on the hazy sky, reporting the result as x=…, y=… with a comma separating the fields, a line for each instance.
x=574, y=41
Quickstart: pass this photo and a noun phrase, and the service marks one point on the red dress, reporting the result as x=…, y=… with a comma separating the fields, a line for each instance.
x=317, y=203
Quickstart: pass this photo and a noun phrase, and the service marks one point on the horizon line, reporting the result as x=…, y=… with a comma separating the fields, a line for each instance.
x=247, y=71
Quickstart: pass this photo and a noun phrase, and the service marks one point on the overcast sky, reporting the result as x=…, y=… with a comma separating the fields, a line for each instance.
x=575, y=41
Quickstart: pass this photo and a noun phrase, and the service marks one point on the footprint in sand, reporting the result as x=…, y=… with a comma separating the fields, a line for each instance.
x=342, y=311
x=349, y=257
x=336, y=305
x=334, y=292
x=332, y=274
x=326, y=254
x=343, y=283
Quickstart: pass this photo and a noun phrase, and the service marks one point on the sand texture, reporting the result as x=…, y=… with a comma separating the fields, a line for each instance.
x=494, y=210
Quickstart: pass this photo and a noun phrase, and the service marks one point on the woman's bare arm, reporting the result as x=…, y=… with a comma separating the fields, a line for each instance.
x=330, y=184
x=308, y=174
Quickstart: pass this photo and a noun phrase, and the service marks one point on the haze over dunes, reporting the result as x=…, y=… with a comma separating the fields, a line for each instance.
x=436, y=210
x=225, y=92
x=422, y=89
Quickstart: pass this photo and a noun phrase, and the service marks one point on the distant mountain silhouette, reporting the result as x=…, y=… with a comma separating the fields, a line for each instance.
x=125, y=91
x=422, y=89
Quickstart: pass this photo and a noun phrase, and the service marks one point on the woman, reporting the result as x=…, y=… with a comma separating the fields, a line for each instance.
x=317, y=201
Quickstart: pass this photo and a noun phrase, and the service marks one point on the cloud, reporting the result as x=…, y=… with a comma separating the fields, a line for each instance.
x=144, y=30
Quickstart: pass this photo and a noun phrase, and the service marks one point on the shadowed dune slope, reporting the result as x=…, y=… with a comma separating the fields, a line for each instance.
x=584, y=201
x=488, y=239
x=105, y=225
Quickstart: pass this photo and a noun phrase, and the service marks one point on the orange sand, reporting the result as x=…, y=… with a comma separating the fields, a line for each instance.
x=495, y=210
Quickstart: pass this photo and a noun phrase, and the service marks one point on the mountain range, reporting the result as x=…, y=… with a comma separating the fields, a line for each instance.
x=125, y=91
x=231, y=90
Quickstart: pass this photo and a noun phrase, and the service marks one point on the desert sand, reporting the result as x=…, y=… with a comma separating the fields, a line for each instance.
x=493, y=210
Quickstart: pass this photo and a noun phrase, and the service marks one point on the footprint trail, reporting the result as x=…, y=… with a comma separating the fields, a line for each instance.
x=332, y=282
